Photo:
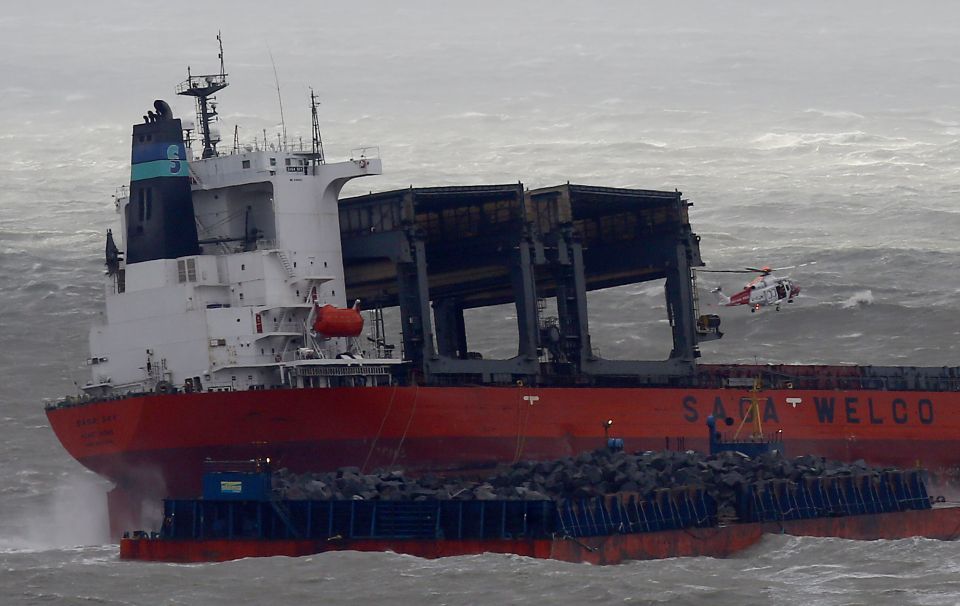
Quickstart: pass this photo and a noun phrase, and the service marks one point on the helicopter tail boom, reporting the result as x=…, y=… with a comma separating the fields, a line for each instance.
x=721, y=298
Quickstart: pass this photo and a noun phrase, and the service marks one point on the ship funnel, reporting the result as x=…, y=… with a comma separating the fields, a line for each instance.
x=159, y=217
x=163, y=110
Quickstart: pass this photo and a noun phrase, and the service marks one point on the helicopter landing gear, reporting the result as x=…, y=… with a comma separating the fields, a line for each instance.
x=778, y=307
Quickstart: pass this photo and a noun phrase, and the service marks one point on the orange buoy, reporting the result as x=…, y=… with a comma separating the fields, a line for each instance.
x=338, y=322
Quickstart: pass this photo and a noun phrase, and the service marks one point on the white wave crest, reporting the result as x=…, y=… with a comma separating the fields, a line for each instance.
x=797, y=140
x=858, y=299
x=846, y=115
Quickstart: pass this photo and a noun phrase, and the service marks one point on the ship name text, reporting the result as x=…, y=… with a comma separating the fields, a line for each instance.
x=852, y=410
x=93, y=432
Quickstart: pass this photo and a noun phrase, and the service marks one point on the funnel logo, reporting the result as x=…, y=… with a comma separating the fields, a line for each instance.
x=173, y=154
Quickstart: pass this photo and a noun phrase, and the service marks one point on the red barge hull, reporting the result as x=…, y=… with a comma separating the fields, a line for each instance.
x=153, y=446
x=942, y=523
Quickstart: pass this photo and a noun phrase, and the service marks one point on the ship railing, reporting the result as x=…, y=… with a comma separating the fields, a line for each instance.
x=627, y=513
x=266, y=244
x=829, y=496
x=340, y=371
x=364, y=153
x=202, y=82
x=382, y=351
x=119, y=391
x=67, y=402
x=357, y=519
x=895, y=378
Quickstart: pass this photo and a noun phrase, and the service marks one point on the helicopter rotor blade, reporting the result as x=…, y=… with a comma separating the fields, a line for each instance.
x=765, y=270
x=724, y=271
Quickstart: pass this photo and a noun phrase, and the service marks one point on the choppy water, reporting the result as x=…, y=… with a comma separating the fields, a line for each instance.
x=818, y=134
x=779, y=570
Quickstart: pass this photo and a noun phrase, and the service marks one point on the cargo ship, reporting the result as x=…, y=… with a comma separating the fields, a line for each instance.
x=246, y=305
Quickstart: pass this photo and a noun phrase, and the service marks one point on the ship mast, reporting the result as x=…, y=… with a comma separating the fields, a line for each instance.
x=203, y=87
x=317, y=140
x=753, y=412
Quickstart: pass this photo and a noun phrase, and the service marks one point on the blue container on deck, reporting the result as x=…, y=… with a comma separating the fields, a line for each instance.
x=236, y=486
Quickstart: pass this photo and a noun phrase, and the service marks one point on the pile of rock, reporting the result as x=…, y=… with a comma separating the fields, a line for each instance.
x=587, y=475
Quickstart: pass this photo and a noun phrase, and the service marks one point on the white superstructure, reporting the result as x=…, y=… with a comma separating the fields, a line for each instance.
x=240, y=314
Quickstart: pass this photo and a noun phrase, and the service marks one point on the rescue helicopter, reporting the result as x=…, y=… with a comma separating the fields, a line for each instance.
x=764, y=290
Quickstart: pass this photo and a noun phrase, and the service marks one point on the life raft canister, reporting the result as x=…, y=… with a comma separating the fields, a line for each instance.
x=338, y=322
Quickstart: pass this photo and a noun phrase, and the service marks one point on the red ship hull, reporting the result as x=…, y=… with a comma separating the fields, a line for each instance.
x=715, y=542
x=153, y=446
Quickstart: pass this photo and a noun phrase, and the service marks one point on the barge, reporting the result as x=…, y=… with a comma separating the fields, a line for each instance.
x=237, y=519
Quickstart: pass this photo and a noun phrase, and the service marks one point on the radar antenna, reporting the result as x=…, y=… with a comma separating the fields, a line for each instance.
x=203, y=88
x=317, y=140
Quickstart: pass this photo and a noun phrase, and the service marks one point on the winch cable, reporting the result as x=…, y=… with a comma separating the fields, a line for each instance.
x=383, y=422
x=413, y=411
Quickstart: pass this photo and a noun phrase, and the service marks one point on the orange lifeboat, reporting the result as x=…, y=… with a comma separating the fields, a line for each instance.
x=334, y=321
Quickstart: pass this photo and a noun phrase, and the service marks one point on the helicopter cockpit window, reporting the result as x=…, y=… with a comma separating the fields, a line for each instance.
x=781, y=291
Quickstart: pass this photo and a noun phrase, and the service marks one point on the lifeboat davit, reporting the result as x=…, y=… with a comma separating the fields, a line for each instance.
x=332, y=321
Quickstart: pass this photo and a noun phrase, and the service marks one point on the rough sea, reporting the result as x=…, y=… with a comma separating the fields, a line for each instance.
x=821, y=135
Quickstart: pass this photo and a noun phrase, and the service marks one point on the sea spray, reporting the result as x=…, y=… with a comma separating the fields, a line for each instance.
x=74, y=513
